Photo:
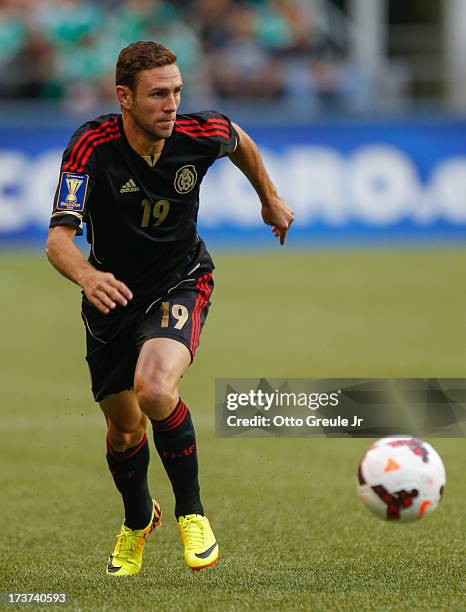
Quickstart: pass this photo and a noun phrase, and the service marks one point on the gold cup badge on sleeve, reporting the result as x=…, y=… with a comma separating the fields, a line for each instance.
x=73, y=185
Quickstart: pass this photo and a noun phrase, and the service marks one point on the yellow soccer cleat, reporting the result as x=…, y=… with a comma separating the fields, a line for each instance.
x=126, y=559
x=200, y=546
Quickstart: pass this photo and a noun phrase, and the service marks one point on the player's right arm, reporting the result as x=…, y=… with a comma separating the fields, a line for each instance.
x=78, y=177
x=102, y=289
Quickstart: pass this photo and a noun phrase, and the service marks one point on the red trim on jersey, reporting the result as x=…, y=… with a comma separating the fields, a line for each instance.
x=201, y=302
x=209, y=119
x=87, y=134
x=81, y=139
x=202, y=133
x=206, y=126
x=184, y=122
x=88, y=147
x=111, y=129
x=194, y=128
x=211, y=127
x=93, y=145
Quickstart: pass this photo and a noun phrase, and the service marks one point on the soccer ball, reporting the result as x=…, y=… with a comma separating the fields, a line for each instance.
x=401, y=479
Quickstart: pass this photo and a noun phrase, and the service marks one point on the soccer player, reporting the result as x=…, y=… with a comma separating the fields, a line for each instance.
x=134, y=179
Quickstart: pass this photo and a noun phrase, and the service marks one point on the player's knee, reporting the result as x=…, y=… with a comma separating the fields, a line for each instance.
x=156, y=396
x=123, y=436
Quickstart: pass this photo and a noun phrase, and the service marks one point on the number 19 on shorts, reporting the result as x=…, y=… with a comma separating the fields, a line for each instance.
x=179, y=313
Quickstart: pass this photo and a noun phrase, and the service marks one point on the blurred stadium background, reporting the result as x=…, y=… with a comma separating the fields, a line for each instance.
x=359, y=107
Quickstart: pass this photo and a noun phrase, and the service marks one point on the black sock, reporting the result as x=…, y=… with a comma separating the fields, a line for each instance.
x=129, y=471
x=175, y=442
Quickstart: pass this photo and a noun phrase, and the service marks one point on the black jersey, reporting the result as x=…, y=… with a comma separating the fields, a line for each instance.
x=141, y=220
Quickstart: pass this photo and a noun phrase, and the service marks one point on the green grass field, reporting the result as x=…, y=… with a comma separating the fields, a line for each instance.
x=292, y=533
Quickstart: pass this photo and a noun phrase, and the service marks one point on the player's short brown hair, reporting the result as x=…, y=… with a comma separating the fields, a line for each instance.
x=138, y=56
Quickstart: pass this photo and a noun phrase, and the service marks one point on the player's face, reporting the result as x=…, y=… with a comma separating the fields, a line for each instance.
x=155, y=100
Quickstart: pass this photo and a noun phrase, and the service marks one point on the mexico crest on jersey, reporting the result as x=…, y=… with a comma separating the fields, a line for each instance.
x=185, y=179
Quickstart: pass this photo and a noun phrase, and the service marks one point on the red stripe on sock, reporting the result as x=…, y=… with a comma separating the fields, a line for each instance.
x=173, y=414
x=127, y=454
x=174, y=420
x=137, y=448
x=181, y=417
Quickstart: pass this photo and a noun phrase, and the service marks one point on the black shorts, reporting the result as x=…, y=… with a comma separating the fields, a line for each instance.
x=114, y=340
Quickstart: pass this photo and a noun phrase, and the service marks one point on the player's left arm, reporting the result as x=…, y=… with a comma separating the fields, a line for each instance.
x=275, y=211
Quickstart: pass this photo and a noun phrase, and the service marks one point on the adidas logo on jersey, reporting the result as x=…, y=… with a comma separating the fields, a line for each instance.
x=129, y=186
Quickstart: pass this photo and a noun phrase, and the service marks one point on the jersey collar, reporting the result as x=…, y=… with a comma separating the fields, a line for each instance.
x=124, y=141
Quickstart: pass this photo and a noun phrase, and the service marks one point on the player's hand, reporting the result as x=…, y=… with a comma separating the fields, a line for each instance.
x=104, y=291
x=279, y=215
